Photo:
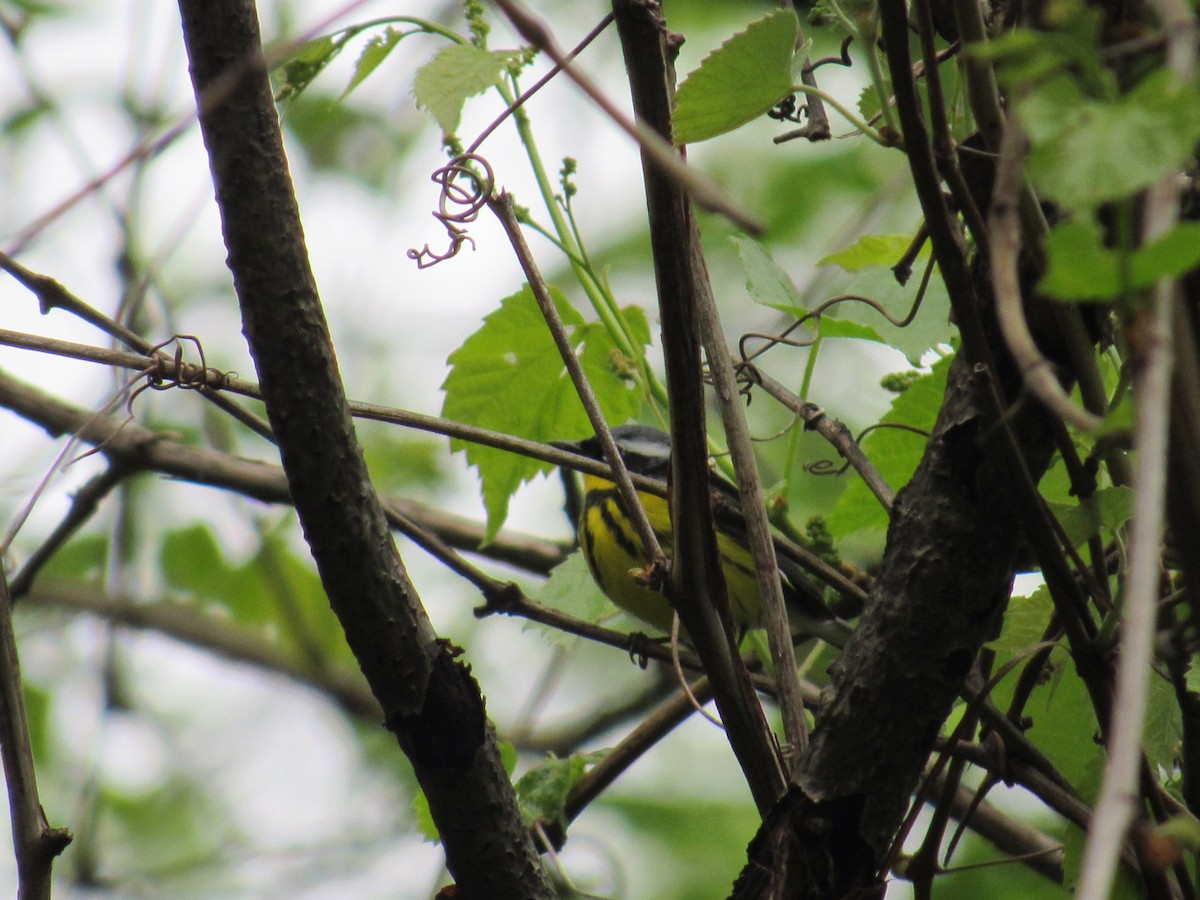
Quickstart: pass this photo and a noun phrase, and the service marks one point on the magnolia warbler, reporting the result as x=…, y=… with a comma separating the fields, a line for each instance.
x=615, y=553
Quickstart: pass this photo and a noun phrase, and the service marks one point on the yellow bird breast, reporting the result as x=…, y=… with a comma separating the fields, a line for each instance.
x=615, y=555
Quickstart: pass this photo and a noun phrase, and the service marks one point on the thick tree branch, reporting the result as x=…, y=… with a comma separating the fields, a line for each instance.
x=430, y=700
x=681, y=276
x=946, y=576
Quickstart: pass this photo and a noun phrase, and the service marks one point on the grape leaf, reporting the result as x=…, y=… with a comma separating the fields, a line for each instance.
x=455, y=73
x=1087, y=152
x=894, y=452
x=509, y=376
x=1080, y=267
x=739, y=81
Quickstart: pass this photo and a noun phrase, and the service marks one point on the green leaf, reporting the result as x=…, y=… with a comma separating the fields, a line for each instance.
x=300, y=617
x=713, y=831
x=508, y=756
x=401, y=460
x=173, y=824
x=82, y=558
x=739, y=81
x=508, y=376
x=869, y=261
x=1054, y=108
x=298, y=72
x=24, y=116
x=1162, y=732
x=455, y=73
x=38, y=722
x=1064, y=721
x=423, y=818
x=868, y=103
x=275, y=592
x=766, y=281
x=1080, y=267
x=844, y=328
x=1168, y=256
x=895, y=453
x=1024, y=56
x=1025, y=623
x=571, y=589
x=353, y=141
x=193, y=563
x=1090, y=152
x=1108, y=508
x=872, y=251
x=542, y=792
x=374, y=53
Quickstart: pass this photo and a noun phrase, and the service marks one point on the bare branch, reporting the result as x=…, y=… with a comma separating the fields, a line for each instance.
x=832, y=430
x=430, y=700
x=35, y=842
x=1037, y=371
x=502, y=206
x=133, y=448
x=697, y=580
x=1152, y=367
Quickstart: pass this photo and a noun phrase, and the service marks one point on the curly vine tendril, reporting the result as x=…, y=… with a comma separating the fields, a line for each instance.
x=464, y=192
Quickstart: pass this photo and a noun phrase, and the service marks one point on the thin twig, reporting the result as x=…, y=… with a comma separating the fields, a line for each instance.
x=35, y=842
x=758, y=528
x=1115, y=807
x=53, y=295
x=1036, y=370
x=502, y=207
x=836, y=433
x=61, y=461
x=84, y=505
x=703, y=191
x=817, y=128
x=164, y=369
x=566, y=737
x=540, y=83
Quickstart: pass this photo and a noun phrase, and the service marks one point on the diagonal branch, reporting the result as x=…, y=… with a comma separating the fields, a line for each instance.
x=697, y=581
x=653, y=145
x=430, y=700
